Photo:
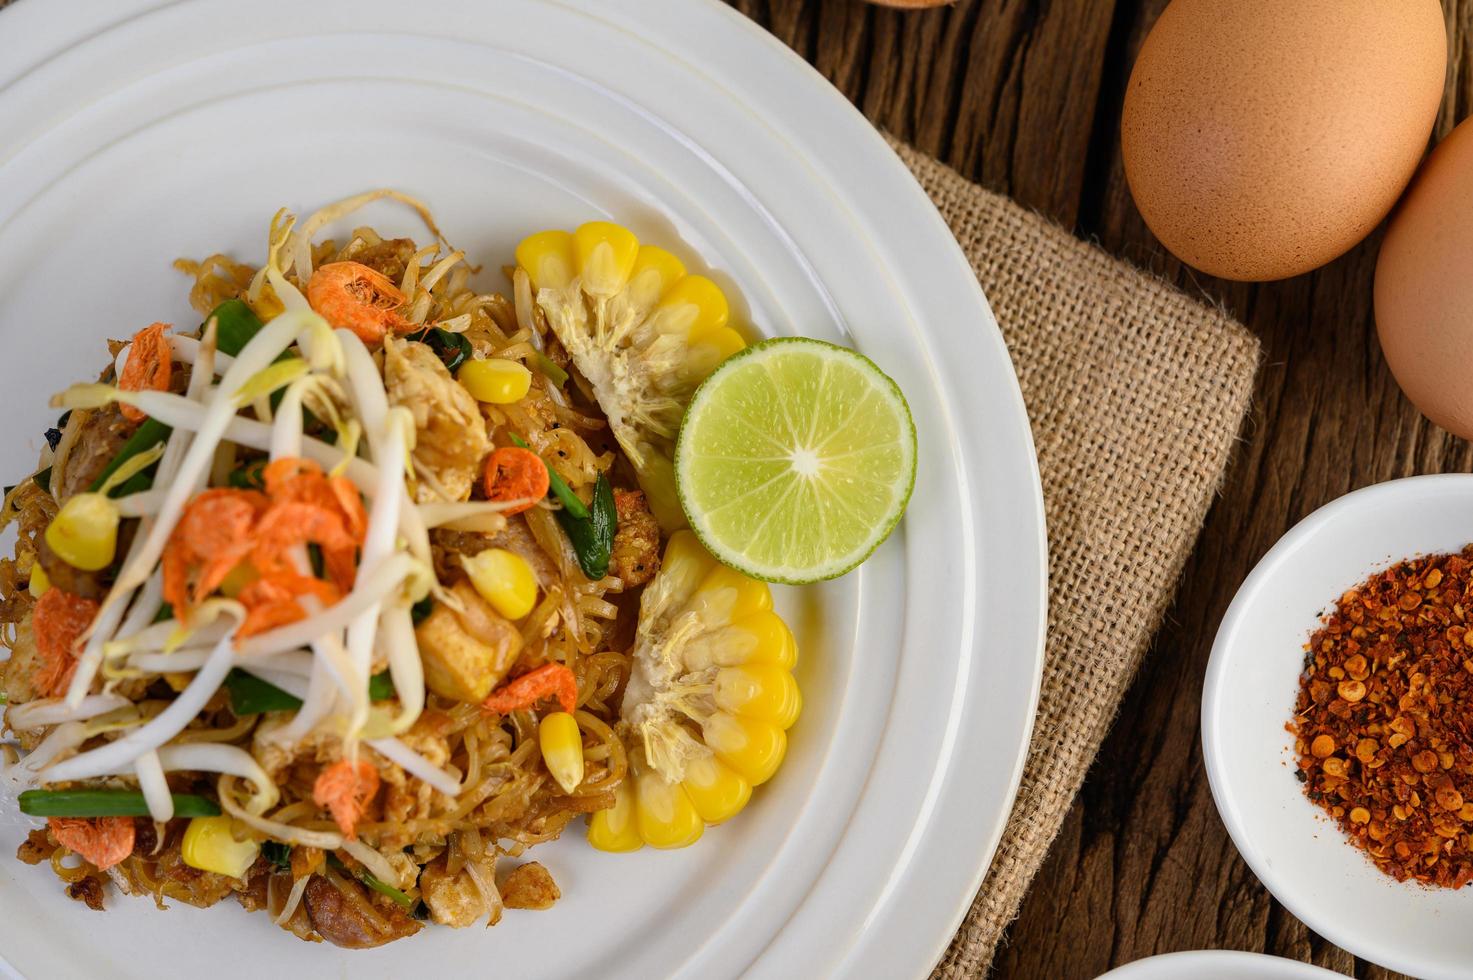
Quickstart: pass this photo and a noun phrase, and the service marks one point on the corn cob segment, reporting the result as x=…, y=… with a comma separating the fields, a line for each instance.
x=706, y=711
x=641, y=330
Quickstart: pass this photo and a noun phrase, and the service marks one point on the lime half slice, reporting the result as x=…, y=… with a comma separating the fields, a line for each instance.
x=795, y=460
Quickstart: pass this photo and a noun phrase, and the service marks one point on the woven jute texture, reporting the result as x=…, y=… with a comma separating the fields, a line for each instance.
x=1135, y=392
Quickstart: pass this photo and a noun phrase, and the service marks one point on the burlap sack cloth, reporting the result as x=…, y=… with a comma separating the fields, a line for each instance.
x=1135, y=392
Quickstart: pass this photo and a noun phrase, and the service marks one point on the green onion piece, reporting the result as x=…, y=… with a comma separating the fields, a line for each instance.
x=380, y=687
x=421, y=610
x=277, y=853
x=107, y=803
x=166, y=611
x=573, y=505
x=235, y=324
x=148, y=434
x=249, y=695
x=383, y=888
x=452, y=348
x=400, y=899
x=571, y=502
x=248, y=477
x=4, y=698
x=550, y=368
x=593, y=537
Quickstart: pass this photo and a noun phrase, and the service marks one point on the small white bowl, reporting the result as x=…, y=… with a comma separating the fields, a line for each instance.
x=1217, y=964
x=1248, y=697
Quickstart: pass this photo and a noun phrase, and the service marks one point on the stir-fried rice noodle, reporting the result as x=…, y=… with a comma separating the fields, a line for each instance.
x=150, y=706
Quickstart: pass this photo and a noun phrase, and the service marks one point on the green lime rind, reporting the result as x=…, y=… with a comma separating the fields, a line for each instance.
x=795, y=461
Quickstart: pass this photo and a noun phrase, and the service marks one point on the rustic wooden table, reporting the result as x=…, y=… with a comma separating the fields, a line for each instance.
x=1024, y=97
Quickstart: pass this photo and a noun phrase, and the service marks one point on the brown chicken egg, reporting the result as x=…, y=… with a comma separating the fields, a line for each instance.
x=1424, y=287
x=1264, y=138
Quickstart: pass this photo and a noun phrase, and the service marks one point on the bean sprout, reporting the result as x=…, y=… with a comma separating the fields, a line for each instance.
x=53, y=711
x=170, y=721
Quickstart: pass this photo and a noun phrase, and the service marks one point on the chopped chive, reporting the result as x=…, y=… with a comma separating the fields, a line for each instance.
x=148, y=434
x=380, y=687
x=107, y=803
x=235, y=324
x=277, y=853
x=452, y=348
x=421, y=610
x=248, y=477
x=249, y=695
x=593, y=537
x=383, y=888
x=550, y=368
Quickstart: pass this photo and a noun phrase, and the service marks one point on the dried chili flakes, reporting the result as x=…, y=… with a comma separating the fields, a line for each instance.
x=1383, y=724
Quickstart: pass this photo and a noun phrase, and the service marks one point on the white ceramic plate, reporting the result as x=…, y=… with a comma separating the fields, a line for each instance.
x=1217, y=964
x=1252, y=680
x=139, y=131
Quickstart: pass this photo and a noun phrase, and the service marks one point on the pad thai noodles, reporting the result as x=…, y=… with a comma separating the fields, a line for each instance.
x=341, y=601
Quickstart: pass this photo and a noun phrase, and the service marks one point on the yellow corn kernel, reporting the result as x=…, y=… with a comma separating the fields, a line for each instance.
x=752, y=747
x=495, y=380
x=774, y=641
x=761, y=638
x=548, y=258
x=562, y=749
x=666, y=816
x=726, y=595
x=606, y=254
x=723, y=341
x=84, y=533
x=504, y=579
x=710, y=347
x=683, y=568
x=655, y=271
x=210, y=845
x=40, y=581
x=695, y=305
x=616, y=829
x=715, y=791
x=759, y=691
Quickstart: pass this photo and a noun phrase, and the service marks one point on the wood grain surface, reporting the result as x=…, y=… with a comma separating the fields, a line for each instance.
x=1024, y=97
